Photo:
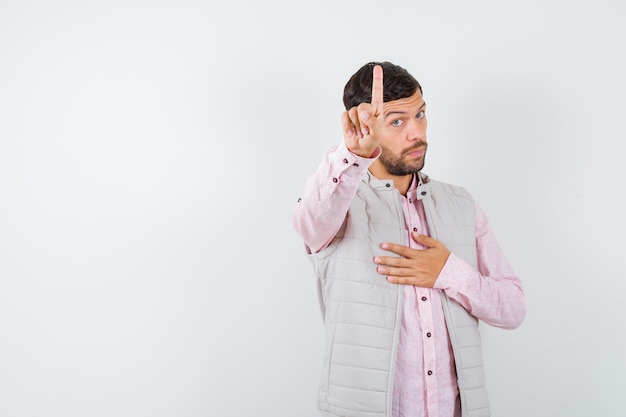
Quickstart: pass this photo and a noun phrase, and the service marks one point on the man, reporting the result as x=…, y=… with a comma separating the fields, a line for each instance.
x=406, y=265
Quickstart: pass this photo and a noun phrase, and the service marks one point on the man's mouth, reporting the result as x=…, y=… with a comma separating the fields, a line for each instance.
x=416, y=152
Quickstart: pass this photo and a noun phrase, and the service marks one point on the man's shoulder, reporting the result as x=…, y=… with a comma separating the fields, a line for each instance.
x=446, y=187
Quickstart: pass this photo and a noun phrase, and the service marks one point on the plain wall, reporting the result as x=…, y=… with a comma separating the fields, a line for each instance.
x=152, y=152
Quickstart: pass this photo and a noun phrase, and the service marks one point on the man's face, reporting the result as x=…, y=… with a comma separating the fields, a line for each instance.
x=403, y=135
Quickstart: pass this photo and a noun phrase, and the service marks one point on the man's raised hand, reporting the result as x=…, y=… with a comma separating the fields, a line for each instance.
x=359, y=123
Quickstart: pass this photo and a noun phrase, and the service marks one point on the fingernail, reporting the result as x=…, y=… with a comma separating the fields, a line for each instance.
x=364, y=115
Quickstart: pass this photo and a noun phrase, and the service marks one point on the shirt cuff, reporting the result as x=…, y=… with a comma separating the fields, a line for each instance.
x=343, y=170
x=454, y=271
x=347, y=157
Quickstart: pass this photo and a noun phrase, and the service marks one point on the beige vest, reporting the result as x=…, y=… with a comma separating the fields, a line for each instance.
x=362, y=311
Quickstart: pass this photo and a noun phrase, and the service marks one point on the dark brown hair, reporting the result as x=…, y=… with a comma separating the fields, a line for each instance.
x=397, y=84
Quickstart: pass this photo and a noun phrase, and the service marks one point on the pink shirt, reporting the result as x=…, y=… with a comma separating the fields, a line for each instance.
x=425, y=379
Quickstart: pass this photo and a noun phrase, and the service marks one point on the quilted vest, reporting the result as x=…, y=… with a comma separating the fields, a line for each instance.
x=362, y=311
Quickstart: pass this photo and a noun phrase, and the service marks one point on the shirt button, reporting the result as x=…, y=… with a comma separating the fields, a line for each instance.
x=345, y=160
x=428, y=334
x=415, y=229
x=424, y=298
x=424, y=193
x=355, y=165
x=335, y=180
x=387, y=185
x=430, y=372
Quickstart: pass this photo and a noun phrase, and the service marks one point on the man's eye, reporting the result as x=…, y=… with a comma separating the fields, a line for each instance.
x=420, y=115
x=397, y=122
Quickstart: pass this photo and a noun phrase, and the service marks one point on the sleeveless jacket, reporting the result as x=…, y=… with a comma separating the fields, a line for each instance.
x=362, y=311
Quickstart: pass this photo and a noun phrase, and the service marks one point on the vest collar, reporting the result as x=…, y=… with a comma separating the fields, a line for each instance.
x=422, y=191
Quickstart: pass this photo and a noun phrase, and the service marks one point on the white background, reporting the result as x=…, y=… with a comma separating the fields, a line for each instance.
x=151, y=153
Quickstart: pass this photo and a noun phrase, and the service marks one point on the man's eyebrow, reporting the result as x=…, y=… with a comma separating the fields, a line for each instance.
x=393, y=112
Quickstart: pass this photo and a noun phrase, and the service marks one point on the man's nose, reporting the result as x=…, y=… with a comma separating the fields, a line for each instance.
x=417, y=130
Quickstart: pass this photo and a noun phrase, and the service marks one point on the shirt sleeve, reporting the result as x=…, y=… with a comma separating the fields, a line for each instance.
x=327, y=195
x=493, y=293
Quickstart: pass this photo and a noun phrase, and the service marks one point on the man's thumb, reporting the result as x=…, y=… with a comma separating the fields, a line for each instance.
x=424, y=240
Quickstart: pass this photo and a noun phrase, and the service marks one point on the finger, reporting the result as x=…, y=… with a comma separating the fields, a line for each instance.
x=347, y=125
x=353, y=115
x=394, y=272
x=398, y=249
x=410, y=280
x=427, y=241
x=377, y=91
x=391, y=261
x=363, y=112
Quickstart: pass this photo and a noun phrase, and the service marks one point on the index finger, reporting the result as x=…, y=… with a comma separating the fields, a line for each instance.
x=401, y=250
x=377, y=90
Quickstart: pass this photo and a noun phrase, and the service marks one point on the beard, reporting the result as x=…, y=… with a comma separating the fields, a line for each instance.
x=399, y=166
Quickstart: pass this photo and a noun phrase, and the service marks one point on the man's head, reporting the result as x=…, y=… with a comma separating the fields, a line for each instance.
x=397, y=84
x=401, y=131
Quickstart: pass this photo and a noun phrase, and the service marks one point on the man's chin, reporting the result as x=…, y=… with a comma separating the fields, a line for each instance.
x=418, y=166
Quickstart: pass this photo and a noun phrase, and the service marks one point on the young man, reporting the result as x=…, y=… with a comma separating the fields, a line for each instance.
x=406, y=265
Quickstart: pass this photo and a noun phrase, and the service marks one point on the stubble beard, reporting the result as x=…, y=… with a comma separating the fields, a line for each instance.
x=398, y=166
